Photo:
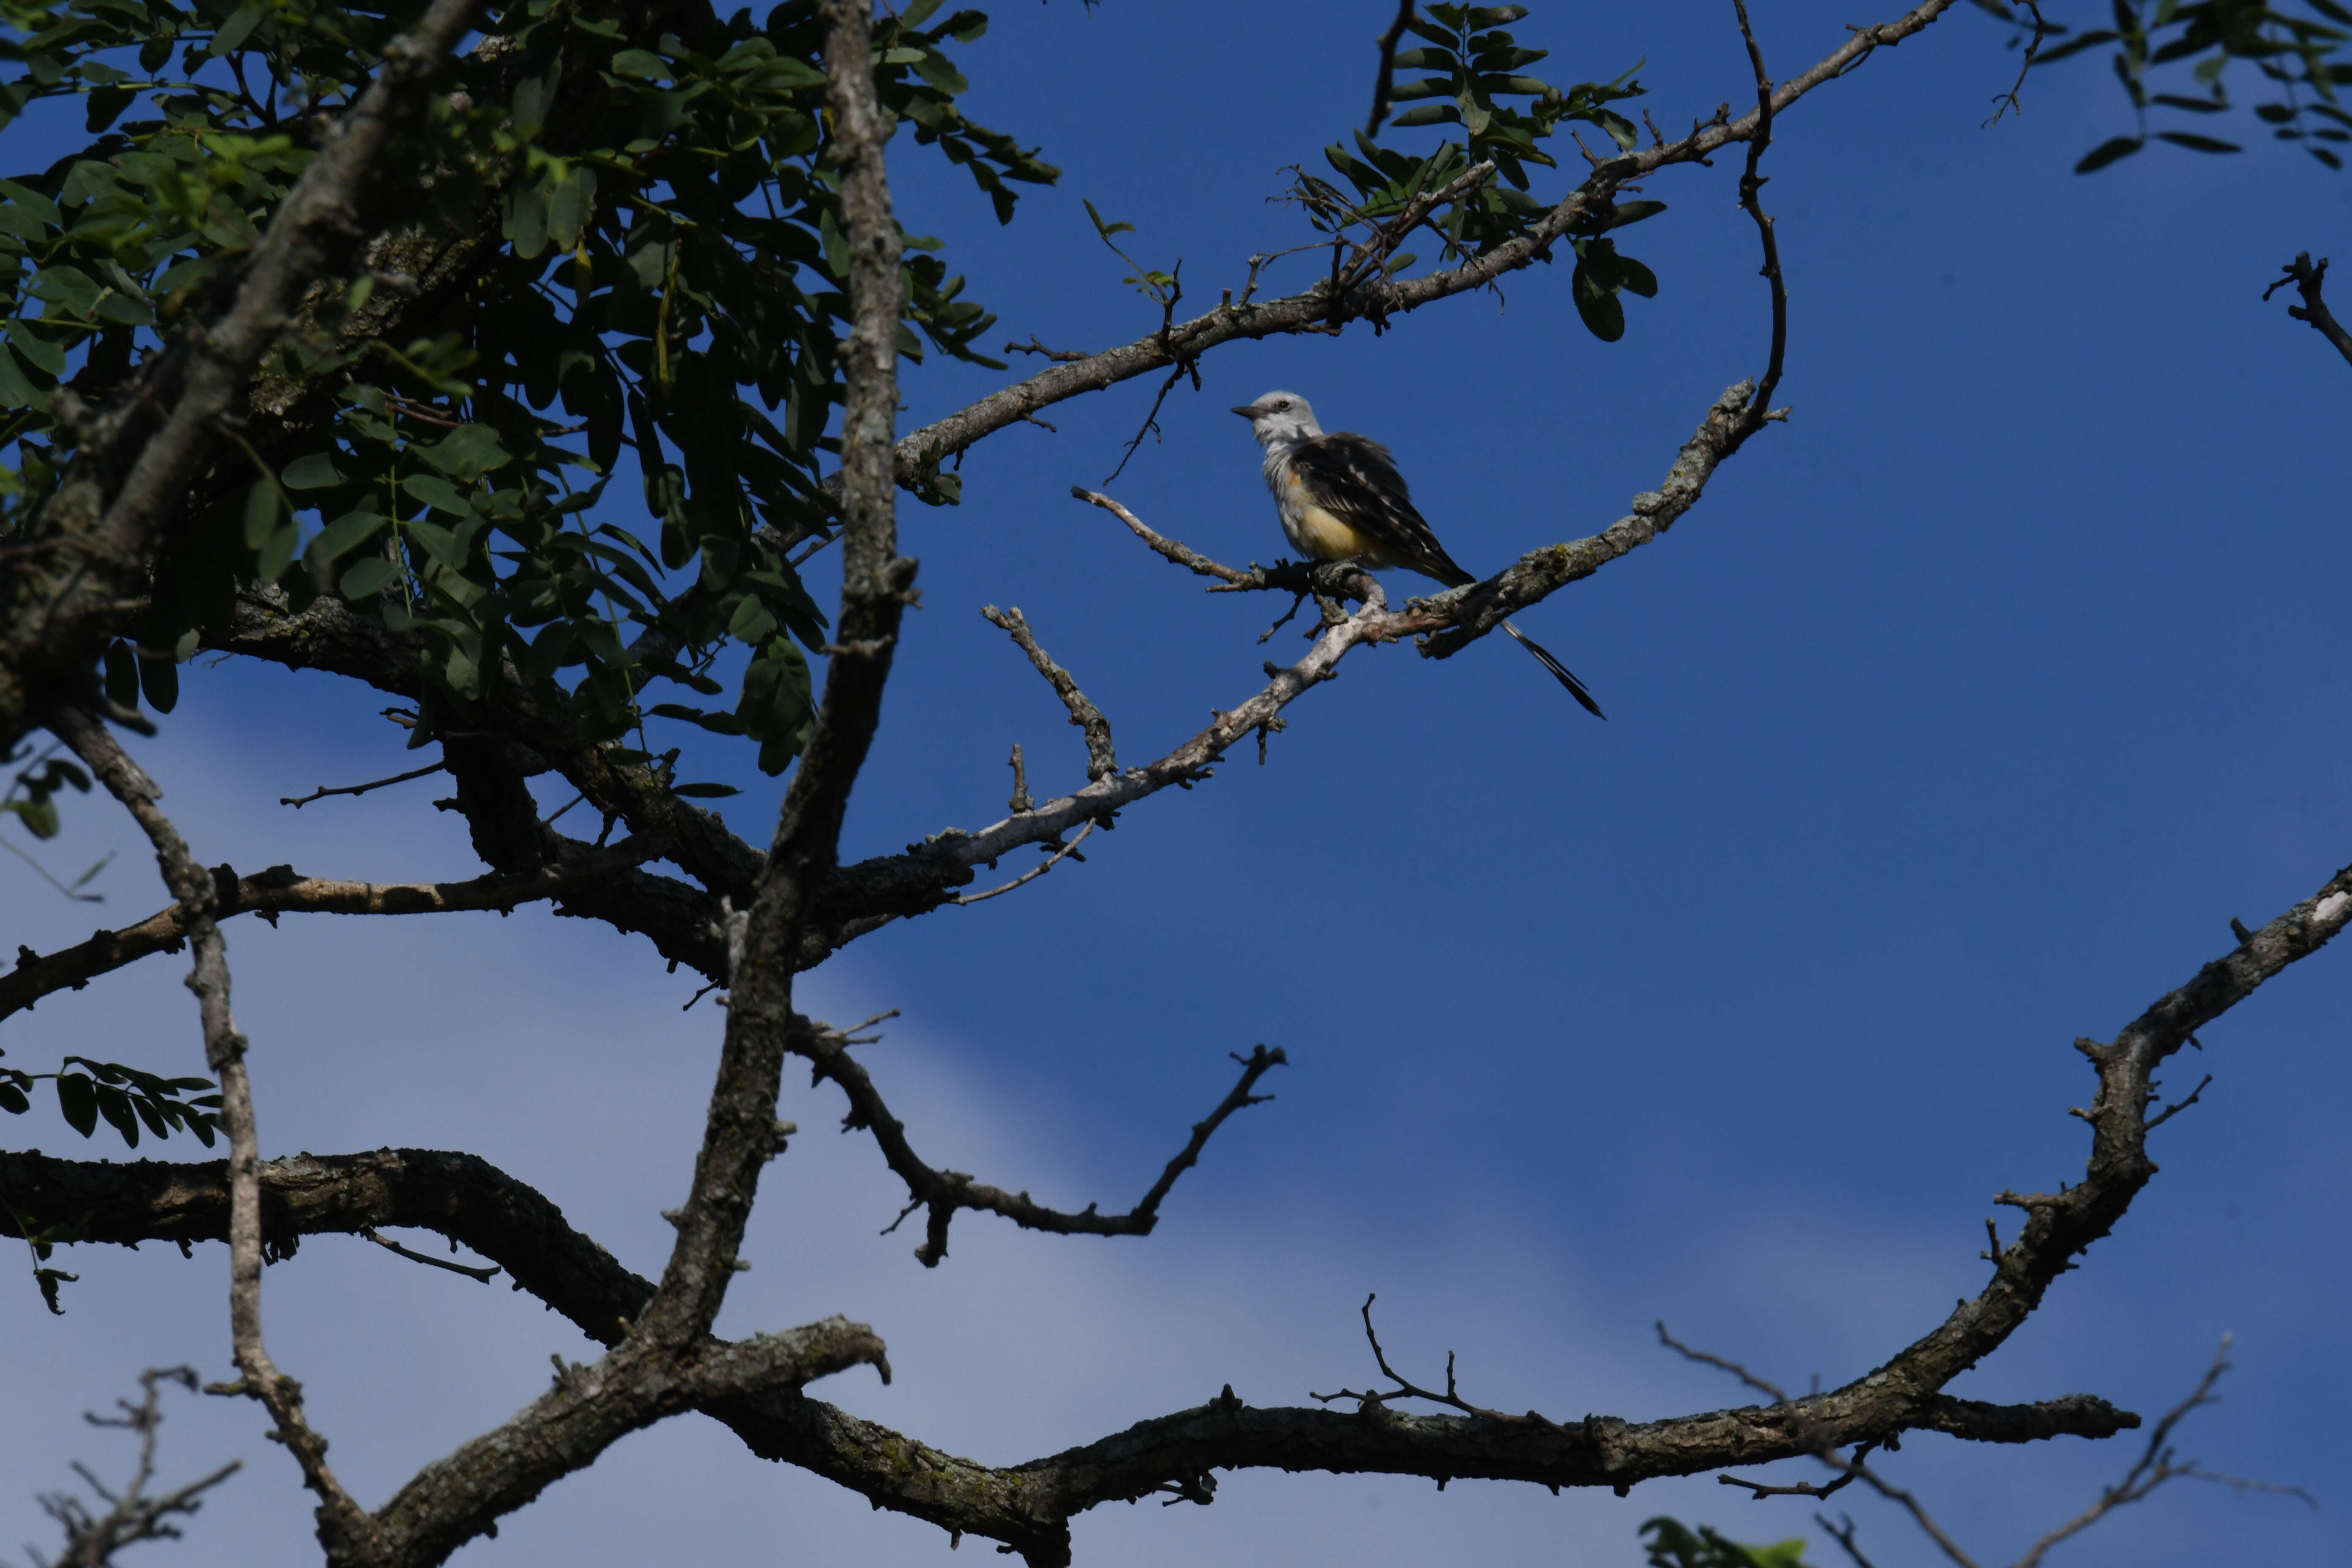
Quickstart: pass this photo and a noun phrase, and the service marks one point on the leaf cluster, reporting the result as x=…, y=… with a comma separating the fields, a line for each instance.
x=613, y=241
x=2297, y=56
x=1676, y=1545
x=124, y=1097
x=1479, y=69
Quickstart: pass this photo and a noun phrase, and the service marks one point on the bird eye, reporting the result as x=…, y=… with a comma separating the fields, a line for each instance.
x=1281, y=402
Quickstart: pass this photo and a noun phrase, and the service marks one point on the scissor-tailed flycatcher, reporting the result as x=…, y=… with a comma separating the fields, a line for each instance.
x=1341, y=499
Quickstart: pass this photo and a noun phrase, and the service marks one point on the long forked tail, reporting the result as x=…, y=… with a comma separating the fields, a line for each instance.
x=1543, y=656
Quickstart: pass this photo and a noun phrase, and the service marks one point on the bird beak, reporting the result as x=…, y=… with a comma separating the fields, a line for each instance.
x=1246, y=413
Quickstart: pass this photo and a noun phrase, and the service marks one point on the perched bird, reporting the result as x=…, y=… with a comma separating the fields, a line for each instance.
x=1341, y=499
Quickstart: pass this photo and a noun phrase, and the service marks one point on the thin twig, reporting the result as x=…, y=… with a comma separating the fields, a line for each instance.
x=1065, y=851
x=1845, y=1538
x=1021, y=800
x=1751, y=186
x=1779, y=1395
x=1102, y=761
x=2008, y=100
x=2309, y=281
x=1387, y=80
x=1191, y=559
x=2154, y=1466
x=93, y=1538
x=483, y=1275
x=322, y=790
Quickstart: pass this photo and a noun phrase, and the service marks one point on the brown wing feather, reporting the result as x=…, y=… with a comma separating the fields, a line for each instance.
x=1354, y=478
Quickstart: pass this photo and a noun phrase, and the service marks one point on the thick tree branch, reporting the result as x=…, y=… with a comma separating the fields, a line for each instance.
x=279, y=890
x=466, y=1199
x=877, y=582
x=1028, y=1506
x=1315, y=311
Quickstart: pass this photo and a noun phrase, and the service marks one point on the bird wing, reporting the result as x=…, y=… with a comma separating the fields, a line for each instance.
x=1354, y=479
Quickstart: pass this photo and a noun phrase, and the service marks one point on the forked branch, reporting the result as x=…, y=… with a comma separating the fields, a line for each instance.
x=942, y=1192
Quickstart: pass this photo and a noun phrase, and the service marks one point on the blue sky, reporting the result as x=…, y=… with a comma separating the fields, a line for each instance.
x=1956, y=722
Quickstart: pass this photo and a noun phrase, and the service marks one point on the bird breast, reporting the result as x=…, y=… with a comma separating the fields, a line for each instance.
x=1312, y=530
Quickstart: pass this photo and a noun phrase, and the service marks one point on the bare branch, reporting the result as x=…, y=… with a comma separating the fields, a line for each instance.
x=131, y=1516
x=1779, y=1395
x=1190, y=559
x=1843, y=1536
x=341, y=1519
x=2008, y=100
x=1751, y=187
x=279, y=890
x=1386, y=82
x=2156, y=1466
x=942, y=1192
x=1101, y=760
x=1025, y=1506
x=322, y=790
x=481, y=1276
x=1061, y=852
x=2309, y=281
x=740, y=1131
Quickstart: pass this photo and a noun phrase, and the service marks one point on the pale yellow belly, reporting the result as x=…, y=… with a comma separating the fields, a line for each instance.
x=1321, y=535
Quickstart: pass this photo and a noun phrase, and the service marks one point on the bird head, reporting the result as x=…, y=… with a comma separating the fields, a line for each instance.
x=1280, y=418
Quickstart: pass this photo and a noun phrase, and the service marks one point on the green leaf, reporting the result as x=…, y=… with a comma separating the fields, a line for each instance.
x=2196, y=144
x=78, y=1098
x=261, y=513
x=367, y=578
x=2107, y=152
x=238, y=28
x=466, y=452
x=115, y=1106
x=158, y=681
x=121, y=674
x=341, y=536
x=311, y=471
x=567, y=208
x=1605, y=317
x=16, y=392
x=435, y=491
x=106, y=106
x=69, y=287
x=49, y=356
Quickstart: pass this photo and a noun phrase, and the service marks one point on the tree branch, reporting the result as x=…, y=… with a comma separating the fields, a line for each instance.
x=2309, y=281
x=131, y=1516
x=279, y=890
x=341, y=1519
x=944, y=1191
x=1102, y=761
x=1386, y=82
x=876, y=582
x=922, y=879
x=1314, y=310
